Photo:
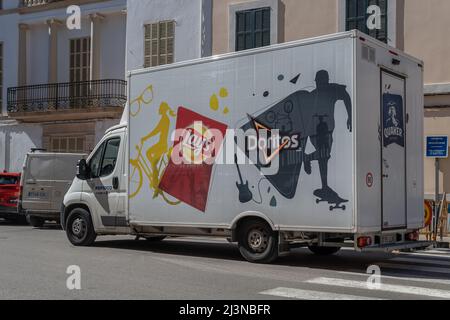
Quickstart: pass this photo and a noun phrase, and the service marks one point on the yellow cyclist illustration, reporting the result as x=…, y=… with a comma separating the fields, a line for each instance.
x=157, y=157
x=161, y=148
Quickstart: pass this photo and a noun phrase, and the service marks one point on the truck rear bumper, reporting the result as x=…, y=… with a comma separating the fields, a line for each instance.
x=397, y=246
x=8, y=212
x=45, y=215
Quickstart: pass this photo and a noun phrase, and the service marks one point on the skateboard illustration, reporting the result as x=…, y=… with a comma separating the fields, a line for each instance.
x=332, y=198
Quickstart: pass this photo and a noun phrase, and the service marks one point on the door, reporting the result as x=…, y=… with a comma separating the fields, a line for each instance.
x=393, y=154
x=38, y=185
x=103, y=186
x=80, y=55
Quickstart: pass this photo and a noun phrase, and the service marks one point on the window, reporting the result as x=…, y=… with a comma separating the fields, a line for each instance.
x=1, y=76
x=159, y=43
x=357, y=16
x=110, y=157
x=8, y=180
x=94, y=163
x=67, y=144
x=103, y=163
x=252, y=28
x=80, y=56
x=80, y=62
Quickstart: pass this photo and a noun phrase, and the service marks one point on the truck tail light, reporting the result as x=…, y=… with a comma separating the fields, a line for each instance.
x=364, y=242
x=413, y=236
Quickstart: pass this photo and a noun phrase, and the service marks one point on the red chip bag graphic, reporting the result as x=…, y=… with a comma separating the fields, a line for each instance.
x=198, y=142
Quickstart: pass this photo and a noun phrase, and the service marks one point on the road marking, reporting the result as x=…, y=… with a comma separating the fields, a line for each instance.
x=440, y=251
x=418, y=291
x=430, y=255
x=414, y=268
x=312, y=295
x=399, y=277
x=422, y=261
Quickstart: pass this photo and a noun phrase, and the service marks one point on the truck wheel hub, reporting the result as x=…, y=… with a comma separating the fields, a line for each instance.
x=258, y=240
x=78, y=227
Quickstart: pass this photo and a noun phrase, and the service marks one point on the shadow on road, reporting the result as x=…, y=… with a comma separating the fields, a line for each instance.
x=344, y=261
x=210, y=250
x=13, y=223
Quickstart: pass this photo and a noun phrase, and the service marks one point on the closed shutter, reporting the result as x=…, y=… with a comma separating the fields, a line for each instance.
x=159, y=43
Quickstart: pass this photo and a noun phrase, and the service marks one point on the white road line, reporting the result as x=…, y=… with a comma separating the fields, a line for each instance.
x=437, y=251
x=418, y=291
x=414, y=268
x=422, y=261
x=399, y=277
x=312, y=295
x=430, y=255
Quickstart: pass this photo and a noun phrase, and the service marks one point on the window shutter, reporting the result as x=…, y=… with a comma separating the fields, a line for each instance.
x=159, y=43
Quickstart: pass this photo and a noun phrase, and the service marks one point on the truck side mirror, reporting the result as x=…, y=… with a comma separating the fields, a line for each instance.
x=82, y=170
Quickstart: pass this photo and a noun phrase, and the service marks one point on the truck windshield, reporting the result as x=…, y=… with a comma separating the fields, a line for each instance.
x=8, y=180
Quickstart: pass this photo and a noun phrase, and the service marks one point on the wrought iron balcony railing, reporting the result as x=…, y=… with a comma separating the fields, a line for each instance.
x=34, y=3
x=67, y=96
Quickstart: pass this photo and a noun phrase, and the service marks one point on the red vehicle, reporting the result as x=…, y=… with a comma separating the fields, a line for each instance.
x=9, y=195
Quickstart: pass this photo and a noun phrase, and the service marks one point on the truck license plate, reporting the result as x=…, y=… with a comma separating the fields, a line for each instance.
x=390, y=238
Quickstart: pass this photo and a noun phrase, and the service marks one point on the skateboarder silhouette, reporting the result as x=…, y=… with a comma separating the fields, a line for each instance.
x=324, y=100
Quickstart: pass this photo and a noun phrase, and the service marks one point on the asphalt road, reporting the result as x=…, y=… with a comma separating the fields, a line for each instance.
x=34, y=262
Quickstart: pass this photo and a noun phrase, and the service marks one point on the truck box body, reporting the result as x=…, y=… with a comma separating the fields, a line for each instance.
x=314, y=143
x=354, y=105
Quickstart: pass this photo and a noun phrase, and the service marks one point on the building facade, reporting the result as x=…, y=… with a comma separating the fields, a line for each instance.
x=418, y=27
x=63, y=79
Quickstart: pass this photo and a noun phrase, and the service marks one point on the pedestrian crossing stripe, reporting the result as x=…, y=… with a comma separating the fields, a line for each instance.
x=408, y=290
x=399, y=277
x=422, y=261
x=301, y=294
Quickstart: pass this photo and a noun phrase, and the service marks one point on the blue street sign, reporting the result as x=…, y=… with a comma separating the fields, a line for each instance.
x=437, y=147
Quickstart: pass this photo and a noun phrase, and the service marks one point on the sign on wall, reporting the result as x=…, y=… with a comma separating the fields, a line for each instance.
x=437, y=147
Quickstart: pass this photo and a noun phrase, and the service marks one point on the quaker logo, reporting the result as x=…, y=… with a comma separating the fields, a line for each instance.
x=393, y=120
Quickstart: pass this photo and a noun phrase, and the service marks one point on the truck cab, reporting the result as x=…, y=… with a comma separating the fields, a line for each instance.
x=98, y=194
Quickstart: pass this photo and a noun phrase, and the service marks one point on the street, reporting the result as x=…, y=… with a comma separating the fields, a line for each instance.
x=33, y=265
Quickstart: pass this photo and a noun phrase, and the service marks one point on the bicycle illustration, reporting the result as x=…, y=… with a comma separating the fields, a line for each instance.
x=155, y=159
x=139, y=167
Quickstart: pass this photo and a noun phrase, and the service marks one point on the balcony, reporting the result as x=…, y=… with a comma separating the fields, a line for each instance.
x=67, y=101
x=34, y=3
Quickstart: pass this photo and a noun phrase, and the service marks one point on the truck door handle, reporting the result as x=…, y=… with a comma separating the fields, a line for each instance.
x=116, y=183
x=385, y=176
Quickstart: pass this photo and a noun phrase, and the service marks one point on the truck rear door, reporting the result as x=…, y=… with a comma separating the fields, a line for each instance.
x=393, y=151
x=37, y=183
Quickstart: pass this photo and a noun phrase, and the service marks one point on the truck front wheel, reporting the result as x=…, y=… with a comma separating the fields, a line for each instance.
x=257, y=242
x=324, y=251
x=80, y=229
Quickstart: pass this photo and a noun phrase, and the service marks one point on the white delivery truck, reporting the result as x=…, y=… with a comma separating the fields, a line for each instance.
x=315, y=143
x=46, y=177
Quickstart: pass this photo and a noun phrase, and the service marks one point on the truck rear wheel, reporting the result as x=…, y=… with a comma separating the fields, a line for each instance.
x=257, y=242
x=324, y=251
x=80, y=229
x=35, y=221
